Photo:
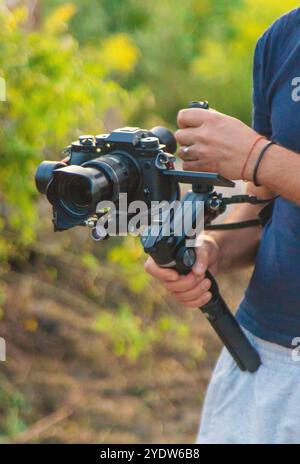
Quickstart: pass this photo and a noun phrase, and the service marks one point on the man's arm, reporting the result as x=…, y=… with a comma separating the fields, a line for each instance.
x=221, y=143
x=278, y=171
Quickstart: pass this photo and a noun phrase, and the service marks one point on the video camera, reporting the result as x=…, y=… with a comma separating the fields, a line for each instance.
x=140, y=163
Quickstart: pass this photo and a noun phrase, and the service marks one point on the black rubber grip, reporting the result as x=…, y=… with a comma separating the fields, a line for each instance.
x=229, y=331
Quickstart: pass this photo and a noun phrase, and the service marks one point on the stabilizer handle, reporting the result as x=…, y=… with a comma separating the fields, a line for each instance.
x=229, y=331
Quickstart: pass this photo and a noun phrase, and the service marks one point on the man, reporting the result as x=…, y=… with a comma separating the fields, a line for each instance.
x=263, y=407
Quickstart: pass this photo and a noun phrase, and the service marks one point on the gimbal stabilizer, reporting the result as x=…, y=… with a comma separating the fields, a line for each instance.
x=172, y=252
x=140, y=164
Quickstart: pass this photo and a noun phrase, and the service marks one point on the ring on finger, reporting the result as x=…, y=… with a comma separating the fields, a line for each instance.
x=186, y=150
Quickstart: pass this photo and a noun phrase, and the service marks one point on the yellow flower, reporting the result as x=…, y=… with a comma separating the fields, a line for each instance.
x=30, y=325
x=119, y=53
x=58, y=20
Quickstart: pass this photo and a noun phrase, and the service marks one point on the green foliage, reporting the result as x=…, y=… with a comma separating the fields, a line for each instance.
x=126, y=332
x=128, y=256
x=187, y=50
x=132, y=337
x=55, y=90
x=12, y=407
x=98, y=18
x=223, y=69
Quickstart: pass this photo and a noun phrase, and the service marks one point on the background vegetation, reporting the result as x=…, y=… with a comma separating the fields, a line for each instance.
x=96, y=351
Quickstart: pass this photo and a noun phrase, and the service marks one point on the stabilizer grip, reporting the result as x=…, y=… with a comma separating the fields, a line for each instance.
x=229, y=331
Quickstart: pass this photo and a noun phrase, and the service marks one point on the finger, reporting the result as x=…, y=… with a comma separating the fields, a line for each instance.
x=183, y=284
x=201, y=265
x=195, y=166
x=186, y=136
x=195, y=152
x=195, y=293
x=198, y=302
x=160, y=273
x=192, y=117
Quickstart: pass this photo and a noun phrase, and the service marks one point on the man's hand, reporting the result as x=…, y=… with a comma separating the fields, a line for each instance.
x=191, y=290
x=217, y=143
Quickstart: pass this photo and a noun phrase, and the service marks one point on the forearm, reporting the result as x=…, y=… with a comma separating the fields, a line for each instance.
x=238, y=248
x=279, y=171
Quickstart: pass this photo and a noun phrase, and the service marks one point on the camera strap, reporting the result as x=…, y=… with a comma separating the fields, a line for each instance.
x=262, y=219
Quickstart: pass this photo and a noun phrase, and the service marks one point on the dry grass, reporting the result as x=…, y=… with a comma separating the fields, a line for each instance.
x=63, y=383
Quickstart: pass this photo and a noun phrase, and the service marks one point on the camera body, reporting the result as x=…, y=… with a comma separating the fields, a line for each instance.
x=128, y=160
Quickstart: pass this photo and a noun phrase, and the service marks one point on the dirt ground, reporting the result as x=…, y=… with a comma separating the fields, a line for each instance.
x=63, y=383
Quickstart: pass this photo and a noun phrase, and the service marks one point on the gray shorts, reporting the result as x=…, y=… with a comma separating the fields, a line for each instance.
x=259, y=408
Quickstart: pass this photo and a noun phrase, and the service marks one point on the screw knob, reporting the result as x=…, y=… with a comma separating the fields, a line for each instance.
x=189, y=257
x=186, y=258
x=199, y=104
x=100, y=138
x=148, y=143
x=86, y=139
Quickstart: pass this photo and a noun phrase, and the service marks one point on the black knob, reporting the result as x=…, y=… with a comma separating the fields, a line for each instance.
x=149, y=143
x=166, y=137
x=185, y=259
x=100, y=138
x=86, y=139
x=199, y=104
x=189, y=257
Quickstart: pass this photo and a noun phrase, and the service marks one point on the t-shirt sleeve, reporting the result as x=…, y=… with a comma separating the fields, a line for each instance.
x=261, y=119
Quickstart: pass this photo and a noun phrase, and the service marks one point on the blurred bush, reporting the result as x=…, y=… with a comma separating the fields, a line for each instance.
x=187, y=50
x=67, y=68
x=56, y=90
x=82, y=67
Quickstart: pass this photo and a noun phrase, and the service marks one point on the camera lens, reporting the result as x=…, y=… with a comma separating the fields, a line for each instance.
x=44, y=174
x=78, y=191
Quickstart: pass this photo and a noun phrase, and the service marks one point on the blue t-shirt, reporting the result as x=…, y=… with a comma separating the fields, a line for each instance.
x=271, y=306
